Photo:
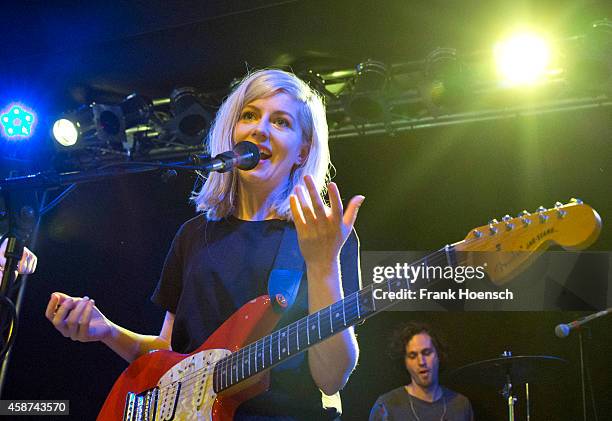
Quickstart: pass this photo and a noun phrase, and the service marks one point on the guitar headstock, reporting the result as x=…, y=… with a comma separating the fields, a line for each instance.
x=574, y=226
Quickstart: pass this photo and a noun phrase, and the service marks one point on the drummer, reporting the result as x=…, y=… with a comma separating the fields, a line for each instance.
x=423, y=399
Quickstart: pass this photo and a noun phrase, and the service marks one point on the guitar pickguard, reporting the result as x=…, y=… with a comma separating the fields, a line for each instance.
x=192, y=379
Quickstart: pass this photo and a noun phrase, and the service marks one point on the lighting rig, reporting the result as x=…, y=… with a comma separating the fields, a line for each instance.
x=138, y=128
x=525, y=74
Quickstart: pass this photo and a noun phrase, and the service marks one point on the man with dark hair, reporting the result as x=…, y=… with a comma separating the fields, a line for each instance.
x=423, y=399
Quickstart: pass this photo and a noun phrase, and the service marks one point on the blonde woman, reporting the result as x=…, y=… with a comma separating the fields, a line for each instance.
x=221, y=259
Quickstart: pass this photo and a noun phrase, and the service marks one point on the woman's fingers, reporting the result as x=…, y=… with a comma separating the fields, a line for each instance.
x=59, y=320
x=296, y=211
x=51, y=306
x=305, y=206
x=351, y=210
x=335, y=201
x=56, y=299
x=315, y=198
x=83, y=332
x=74, y=318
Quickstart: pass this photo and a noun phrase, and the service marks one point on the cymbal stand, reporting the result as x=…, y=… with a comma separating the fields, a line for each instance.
x=510, y=399
x=527, y=400
x=582, y=371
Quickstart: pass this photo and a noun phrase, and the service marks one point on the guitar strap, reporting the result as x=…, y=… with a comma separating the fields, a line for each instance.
x=287, y=271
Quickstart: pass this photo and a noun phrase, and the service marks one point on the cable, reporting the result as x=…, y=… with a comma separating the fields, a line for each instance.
x=13, y=324
x=588, y=376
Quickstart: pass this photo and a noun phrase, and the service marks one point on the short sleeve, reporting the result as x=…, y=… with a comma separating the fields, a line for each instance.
x=350, y=264
x=170, y=285
x=378, y=411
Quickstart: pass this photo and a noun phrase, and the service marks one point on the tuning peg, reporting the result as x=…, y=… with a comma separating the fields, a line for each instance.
x=576, y=201
x=492, y=229
x=558, y=204
x=543, y=217
x=523, y=217
x=507, y=219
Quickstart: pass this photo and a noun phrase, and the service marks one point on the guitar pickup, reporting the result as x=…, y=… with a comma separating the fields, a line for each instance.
x=142, y=406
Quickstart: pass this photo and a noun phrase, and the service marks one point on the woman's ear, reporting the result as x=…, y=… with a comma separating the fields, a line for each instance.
x=304, y=151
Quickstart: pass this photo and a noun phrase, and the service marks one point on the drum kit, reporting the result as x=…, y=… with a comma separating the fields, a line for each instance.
x=508, y=372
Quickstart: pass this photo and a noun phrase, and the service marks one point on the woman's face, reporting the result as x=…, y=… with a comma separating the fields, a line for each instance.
x=272, y=124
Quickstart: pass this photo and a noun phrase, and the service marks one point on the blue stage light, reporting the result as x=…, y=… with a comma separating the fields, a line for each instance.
x=18, y=122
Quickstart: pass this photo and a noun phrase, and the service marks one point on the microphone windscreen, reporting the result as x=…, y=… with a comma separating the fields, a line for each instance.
x=562, y=330
x=247, y=154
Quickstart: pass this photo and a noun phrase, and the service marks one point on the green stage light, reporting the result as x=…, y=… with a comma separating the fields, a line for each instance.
x=522, y=59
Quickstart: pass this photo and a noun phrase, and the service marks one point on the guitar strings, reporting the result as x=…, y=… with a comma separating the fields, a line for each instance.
x=226, y=363
x=350, y=308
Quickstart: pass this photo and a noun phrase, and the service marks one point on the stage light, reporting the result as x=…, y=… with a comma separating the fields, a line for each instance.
x=522, y=59
x=113, y=120
x=590, y=59
x=101, y=124
x=364, y=100
x=65, y=132
x=74, y=130
x=190, y=120
x=446, y=78
x=18, y=122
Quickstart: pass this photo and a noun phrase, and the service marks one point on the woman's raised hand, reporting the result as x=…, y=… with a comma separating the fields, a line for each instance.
x=77, y=318
x=322, y=230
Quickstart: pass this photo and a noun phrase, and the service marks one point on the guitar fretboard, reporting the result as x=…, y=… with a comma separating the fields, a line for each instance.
x=314, y=328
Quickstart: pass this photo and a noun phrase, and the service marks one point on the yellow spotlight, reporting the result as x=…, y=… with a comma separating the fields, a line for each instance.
x=522, y=58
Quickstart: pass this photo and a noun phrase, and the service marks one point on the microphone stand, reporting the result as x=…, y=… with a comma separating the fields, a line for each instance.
x=582, y=375
x=25, y=220
x=21, y=224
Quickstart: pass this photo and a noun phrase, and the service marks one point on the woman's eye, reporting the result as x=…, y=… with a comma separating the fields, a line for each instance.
x=248, y=115
x=282, y=122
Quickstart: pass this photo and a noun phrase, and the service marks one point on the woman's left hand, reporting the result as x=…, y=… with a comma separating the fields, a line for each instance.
x=322, y=230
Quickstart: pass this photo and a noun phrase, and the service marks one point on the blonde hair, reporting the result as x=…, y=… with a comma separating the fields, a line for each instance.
x=217, y=196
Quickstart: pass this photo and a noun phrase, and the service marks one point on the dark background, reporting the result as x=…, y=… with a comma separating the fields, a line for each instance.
x=423, y=188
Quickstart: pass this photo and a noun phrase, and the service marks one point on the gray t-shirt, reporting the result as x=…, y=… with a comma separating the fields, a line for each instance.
x=396, y=405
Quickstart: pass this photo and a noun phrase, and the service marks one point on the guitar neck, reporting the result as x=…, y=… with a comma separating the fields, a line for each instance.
x=300, y=335
x=573, y=226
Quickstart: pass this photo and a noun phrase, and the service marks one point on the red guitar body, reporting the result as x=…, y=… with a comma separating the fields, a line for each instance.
x=252, y=321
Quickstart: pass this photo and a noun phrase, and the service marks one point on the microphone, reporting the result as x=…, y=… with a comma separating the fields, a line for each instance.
x=563, y=330
x=244, y=156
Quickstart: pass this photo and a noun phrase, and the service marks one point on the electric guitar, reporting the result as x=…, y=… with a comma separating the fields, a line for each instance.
x=232, y=365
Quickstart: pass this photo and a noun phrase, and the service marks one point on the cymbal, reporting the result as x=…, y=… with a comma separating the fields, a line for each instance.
x=520, y=369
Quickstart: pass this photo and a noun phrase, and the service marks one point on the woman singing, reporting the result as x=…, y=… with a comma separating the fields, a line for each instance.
x=221, y=259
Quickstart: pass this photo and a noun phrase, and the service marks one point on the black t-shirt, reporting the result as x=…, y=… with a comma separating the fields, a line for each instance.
x=399, y=405
x=215, y=267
